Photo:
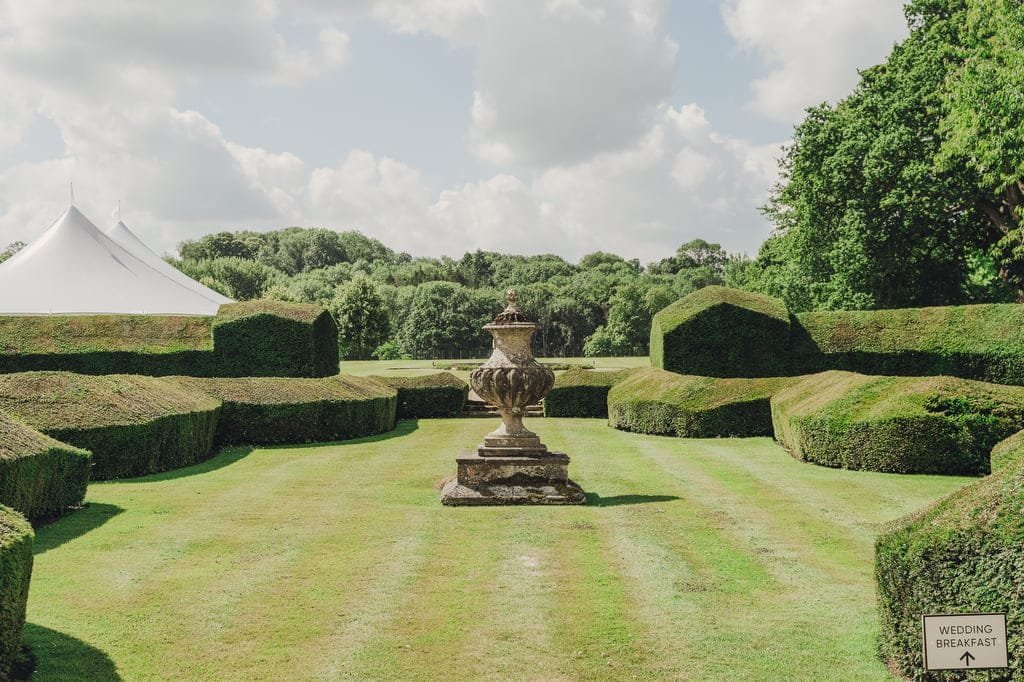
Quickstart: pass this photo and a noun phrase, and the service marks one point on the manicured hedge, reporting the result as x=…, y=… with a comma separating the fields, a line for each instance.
x=279, y=410
x=133, y=425
x=430, y=395
x=964, y=554
x=940, y=425
x=582, y=392
x=983, y=342
x=274, y=339
x=15, y=571
x=39, y=476
x=720, y=332
x=1008, y=452
x=254, y=338
x=660, y=402
x=728, y=333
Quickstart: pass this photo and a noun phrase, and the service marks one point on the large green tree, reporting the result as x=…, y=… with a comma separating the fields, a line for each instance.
x=362, y=318
x=875, y=208
x=983, y=122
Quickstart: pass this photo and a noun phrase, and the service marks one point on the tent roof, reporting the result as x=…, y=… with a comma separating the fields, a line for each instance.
x=75, y=269
x=121, y=234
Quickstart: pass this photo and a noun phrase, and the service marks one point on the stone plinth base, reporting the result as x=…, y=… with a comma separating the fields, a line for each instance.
x=491, y=480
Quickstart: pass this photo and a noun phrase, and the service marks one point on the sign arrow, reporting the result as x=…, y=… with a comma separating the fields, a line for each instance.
x=967, y=658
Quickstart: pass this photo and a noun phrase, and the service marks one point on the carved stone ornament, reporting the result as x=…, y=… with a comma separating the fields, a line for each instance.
x=512, y=466
x=511, y=379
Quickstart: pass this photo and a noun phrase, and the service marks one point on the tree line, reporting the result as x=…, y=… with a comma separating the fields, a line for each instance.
x=909, y=191
x=390, y=304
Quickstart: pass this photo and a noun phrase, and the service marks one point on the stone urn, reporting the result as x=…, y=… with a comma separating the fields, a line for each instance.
x=511, y=380
x=512, y=466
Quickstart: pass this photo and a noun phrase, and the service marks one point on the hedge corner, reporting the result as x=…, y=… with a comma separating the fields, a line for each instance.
x=722, y=332
x=273, y=338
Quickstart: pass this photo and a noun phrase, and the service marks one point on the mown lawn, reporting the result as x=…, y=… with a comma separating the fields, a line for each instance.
x=696, y=559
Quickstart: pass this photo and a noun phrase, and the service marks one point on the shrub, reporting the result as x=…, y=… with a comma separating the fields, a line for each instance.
x=721, y=332
x=582, y=393
x=15, y=571
x=274, y=338
x=280, y=410
x=39, y=476
x=984, y=342
x=133, y=425
x=660, y=402
x=896, y=424
x=430, y=395
x=964, y=554
x=253, y=338
x=1008, y=452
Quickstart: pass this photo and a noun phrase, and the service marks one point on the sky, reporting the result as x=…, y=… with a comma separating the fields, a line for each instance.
x=436, y=126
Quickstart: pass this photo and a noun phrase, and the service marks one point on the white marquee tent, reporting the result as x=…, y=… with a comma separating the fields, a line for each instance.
x=73, y=268
x=126, y=238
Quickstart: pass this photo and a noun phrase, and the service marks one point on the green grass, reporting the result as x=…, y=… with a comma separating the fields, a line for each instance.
x=714, y=559
x=412, y=368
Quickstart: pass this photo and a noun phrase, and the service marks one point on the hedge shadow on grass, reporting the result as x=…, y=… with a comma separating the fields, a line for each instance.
x=79, y=660
x=402, y=428
x=226, y=457
x=596, y=500
x=67, y=528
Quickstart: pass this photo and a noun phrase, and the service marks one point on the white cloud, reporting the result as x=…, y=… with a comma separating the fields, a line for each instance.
x=812, y=48
x=573, y=103
x=561, y=80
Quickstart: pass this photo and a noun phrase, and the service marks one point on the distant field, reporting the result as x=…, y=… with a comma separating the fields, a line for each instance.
x=417, y=367
x=696, y=559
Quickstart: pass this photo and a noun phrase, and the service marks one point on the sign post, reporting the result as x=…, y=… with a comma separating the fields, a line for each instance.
x=968, y=641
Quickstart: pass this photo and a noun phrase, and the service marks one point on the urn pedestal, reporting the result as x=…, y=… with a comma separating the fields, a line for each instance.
x=512, y=465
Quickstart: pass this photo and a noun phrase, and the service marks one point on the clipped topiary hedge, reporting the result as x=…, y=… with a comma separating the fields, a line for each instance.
x=39, y=476
x=254, y=338
x=278, y=410
x=964, y=554
x=1007, y=452
x=941, y=425
x=582, y=392
x=720, y=332
x=274, y=339
x=15, y=571
x=983, y=342
x=430, y=395
x=729, y=333
x=133, y=425
x=659, y=402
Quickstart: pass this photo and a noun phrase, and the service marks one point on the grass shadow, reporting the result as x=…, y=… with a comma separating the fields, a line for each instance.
x=402, y=428
x=79, y=522
x=226, y=457
x=232, y=453
x=595, y=500
x=60, y=656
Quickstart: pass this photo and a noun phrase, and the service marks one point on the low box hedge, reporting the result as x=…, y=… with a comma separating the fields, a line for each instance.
x=39, y=476
x=430, y=395
x=15, y=571
x=664, y=403
x=133, y=425
x=253, y=338
x=283, y=410
x=721, y=332
x=963, y=554
x=942, y=425
x=582, y=392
